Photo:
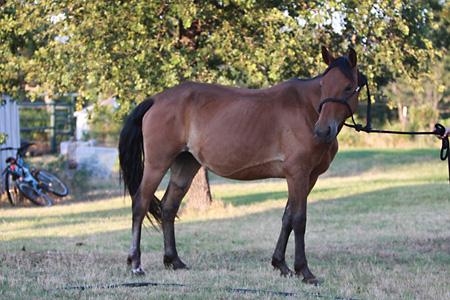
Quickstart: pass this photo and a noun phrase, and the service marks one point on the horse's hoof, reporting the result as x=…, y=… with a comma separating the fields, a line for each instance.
x=183, y=267
x=179, y=265
x=312, y=281
x=176, y=264
x=287, y=273
x=284, y=270
x=138, y=272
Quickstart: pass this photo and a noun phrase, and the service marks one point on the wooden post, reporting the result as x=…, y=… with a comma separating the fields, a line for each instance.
x=71, y=117
x=53, y=126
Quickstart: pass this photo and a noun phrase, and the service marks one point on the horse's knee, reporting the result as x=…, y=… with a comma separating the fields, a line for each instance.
x=172, y=200
x=180, y=187
x=299, y=222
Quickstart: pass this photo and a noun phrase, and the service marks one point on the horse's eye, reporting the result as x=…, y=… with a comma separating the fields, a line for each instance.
x=348, y=88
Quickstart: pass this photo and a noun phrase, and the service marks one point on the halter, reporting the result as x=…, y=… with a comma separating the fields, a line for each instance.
x=362, y=79
x=439, y=128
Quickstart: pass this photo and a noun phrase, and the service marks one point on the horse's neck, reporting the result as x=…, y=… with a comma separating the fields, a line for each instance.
x=309, y=89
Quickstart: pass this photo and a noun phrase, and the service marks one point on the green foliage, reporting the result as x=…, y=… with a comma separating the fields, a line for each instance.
x=54, y=164
x=25, y=30
x=80, y=181
x=105, y=125
x=133, y=49
x=427, y=98
x=3, y=138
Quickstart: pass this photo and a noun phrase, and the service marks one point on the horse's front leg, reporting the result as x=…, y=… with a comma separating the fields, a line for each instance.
x=278, y=257
x=301, y=264
x=299, y=187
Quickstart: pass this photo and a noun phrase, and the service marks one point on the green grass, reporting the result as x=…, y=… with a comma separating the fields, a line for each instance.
x=378, y=228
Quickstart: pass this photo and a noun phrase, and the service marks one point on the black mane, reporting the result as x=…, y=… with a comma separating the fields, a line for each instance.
x=344, y=66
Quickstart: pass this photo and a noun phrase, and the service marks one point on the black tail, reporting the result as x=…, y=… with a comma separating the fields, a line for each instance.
x=131, y=155
x=131, y=148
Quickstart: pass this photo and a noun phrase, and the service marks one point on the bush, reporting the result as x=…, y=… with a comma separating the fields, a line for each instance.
x=78, y=180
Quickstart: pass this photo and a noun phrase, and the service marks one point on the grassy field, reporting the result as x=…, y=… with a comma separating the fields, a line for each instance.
x=378, y=228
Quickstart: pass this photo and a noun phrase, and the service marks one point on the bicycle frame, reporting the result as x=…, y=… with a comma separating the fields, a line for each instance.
x=32, y=183
x=21, y=171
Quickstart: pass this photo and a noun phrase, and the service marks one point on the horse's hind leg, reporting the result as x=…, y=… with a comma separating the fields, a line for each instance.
x=141, y=204
x=182, y=172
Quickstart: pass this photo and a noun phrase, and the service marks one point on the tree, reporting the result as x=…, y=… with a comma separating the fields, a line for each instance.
x=133, y=49
x=427, y=100
x=199, y=195
x=137, y=48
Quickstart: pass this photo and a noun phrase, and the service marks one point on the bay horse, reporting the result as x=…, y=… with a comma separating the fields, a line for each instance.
x=241, y=134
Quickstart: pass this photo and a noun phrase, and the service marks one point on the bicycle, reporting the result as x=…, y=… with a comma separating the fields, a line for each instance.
x=31, y=183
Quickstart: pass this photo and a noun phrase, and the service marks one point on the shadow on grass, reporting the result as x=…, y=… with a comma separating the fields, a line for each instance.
x=238, y=244
x=70, y=218
x=350, y=162
x=382, y=200
x=388, y=198
x=254, y=198
x=211, y=236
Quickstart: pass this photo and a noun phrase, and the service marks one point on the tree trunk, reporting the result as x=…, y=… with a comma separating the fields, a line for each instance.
x=199, y=195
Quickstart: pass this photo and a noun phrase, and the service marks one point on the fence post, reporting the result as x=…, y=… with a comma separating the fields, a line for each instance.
x=71, y=116
x=53, y=126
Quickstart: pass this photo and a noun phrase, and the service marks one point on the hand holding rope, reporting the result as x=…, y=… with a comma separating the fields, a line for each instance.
x=441, y=132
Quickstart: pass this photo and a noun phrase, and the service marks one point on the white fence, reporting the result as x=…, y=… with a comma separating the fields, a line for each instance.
x=9, y=125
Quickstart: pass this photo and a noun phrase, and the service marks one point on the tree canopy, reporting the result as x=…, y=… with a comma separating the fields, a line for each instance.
x=134, y=49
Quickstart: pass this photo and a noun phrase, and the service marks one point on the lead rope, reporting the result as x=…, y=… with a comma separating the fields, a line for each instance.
x=439, y=128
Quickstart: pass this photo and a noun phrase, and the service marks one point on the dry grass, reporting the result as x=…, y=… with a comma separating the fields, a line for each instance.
x=378, y=228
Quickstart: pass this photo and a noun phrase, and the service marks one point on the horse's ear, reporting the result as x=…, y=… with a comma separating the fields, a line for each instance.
x=327, y=57
x=352, y=57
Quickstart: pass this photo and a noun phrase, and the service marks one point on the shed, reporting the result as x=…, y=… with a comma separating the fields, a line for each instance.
x=9, y=125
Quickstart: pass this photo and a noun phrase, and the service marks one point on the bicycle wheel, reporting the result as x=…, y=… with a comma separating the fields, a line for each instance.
x=55, y=185
x=11, y=189
x=35, y=196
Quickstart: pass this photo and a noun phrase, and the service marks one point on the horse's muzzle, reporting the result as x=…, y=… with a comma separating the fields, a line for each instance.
x=326, y=135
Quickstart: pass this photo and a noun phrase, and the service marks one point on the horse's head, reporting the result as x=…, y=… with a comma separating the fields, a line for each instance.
x=340, y=86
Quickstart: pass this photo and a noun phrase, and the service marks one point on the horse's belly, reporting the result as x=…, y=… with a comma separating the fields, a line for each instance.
x=241, y=168
x=269, y=170
x=238, y=146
